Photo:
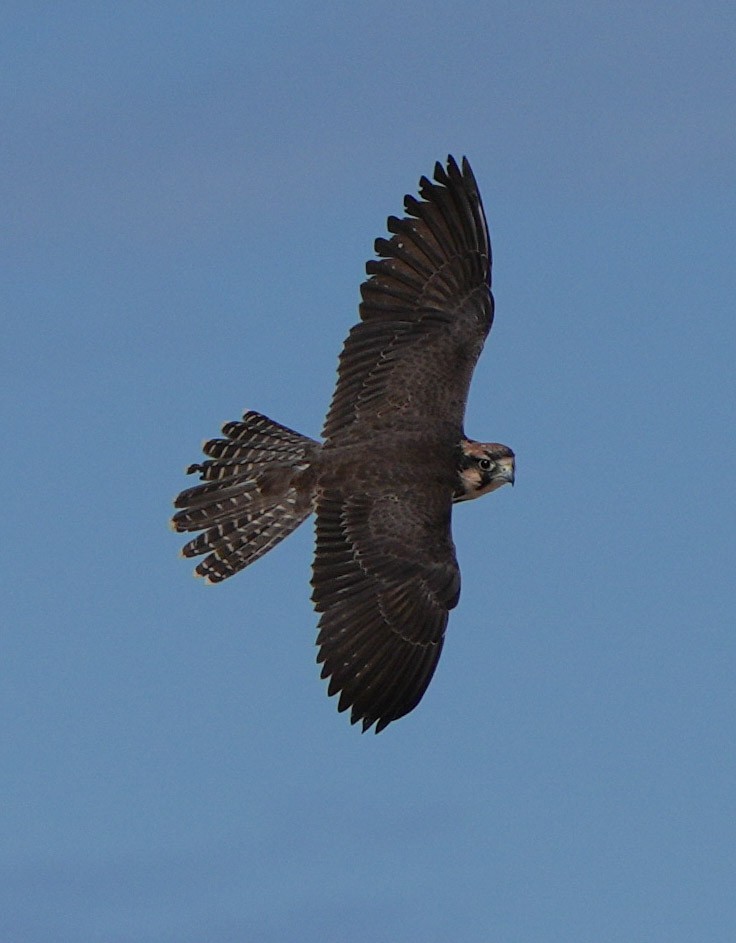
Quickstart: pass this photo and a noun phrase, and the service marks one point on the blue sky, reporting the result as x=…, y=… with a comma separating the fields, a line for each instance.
x=189, y=195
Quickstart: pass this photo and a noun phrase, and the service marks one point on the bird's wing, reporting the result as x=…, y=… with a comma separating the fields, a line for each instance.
x=425, y=313
x=385, y=577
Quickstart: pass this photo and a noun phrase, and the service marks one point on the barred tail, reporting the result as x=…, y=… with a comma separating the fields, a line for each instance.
x=251, y=497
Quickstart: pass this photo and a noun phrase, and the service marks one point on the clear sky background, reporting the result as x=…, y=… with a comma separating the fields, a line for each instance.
x=189, y=193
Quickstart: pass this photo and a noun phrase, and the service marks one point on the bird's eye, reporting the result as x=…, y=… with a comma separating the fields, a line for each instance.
x=485, y=464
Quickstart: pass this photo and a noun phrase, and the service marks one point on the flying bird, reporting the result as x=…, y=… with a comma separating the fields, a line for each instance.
x=393, y=460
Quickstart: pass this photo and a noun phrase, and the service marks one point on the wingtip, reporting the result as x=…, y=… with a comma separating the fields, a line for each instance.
x=452, y=170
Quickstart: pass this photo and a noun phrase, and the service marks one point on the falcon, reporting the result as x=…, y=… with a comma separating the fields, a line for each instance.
x=393, y=460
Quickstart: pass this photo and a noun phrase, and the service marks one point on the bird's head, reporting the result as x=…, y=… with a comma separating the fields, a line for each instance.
x=482, y=467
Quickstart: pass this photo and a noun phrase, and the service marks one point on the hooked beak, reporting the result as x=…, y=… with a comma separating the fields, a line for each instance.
x=505, y=471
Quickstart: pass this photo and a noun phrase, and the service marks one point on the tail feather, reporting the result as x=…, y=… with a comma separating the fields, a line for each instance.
x=252, y=442
x=229, y=504
x=248, y=502
x=237, y=544
x=244, y=485
x=257, y=439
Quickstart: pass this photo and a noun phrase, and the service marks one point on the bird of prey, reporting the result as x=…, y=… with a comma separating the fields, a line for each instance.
x=393, y=460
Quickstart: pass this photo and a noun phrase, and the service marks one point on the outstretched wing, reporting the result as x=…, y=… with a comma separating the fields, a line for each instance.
x=385, y=577
x=426, y=311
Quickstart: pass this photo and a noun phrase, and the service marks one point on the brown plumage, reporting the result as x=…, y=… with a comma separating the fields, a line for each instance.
x=394, y=459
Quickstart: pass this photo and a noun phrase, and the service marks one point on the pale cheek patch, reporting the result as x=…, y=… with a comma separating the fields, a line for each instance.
x=471, y=480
